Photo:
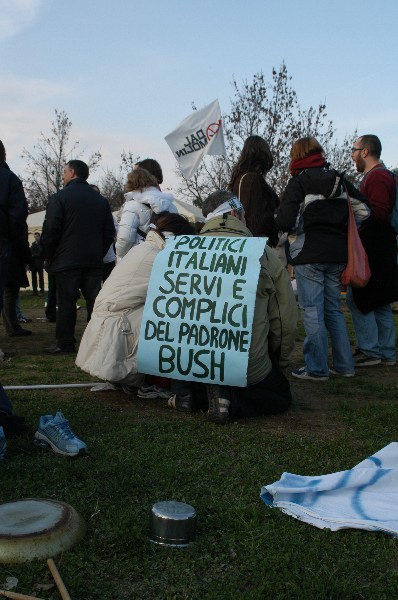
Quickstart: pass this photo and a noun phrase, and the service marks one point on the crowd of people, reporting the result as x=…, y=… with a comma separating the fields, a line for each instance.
x=85, y=251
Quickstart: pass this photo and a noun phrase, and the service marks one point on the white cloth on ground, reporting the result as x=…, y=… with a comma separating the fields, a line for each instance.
x=364, y=497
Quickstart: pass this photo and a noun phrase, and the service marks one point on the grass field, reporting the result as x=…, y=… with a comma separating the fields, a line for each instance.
x=141, y=452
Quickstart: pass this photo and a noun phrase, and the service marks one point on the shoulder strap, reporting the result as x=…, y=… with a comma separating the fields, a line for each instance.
x=376, y=169
x=141, y=233
x=240, y=183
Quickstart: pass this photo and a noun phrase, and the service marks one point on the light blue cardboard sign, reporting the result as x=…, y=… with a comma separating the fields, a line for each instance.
x=198, y=315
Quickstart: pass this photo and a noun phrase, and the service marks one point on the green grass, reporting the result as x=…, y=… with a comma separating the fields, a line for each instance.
x=141, y=452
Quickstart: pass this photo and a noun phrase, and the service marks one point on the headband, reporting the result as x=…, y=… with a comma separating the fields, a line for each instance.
x=232, y=204
x=165, y=234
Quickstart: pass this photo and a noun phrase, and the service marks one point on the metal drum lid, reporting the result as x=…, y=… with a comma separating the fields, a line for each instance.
x=172, y=523
x=37, y=528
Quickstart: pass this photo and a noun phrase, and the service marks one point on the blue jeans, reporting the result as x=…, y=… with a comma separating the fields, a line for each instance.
x=319, y=288
x=375, y=331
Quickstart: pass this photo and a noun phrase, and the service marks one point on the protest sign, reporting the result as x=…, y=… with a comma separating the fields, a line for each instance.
x=197, y=135
x=198, y=315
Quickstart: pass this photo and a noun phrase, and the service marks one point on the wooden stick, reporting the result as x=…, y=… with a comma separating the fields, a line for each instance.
x=15, y=596
x=58, y=580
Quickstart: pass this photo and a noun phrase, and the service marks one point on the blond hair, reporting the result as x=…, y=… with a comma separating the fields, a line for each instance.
x=139, y=179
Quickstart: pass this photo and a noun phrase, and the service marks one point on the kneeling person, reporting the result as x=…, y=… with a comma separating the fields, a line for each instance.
x=274, y=326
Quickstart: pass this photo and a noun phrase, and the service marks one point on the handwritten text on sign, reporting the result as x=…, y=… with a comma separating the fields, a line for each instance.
x=199, y=310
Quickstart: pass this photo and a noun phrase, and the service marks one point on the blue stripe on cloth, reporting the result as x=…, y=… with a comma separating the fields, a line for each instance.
x=376, y=460
x=356, y=499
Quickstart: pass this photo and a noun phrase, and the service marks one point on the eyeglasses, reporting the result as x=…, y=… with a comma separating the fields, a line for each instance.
x=356, y=149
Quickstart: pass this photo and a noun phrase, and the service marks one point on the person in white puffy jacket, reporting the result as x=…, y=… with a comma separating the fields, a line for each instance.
x=109, y=346
x=143, y=198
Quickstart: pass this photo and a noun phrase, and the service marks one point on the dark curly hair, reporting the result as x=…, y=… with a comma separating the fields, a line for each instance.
x=255, y=157
x=177, y=224
x=152, y=165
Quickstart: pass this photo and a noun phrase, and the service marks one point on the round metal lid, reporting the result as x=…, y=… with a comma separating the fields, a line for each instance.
x=37, y=528
x=171, y=509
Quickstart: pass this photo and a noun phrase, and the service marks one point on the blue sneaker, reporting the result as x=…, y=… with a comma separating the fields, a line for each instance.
x=3, y=444
x=56, y=433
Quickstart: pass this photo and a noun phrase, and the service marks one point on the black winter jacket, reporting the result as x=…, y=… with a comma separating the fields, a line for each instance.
x=19, y=257
x=13, y=206
x=78, y=228
x=260, y=203
x=314, y=207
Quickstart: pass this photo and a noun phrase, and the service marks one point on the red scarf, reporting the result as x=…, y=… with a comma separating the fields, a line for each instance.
x=314, y=160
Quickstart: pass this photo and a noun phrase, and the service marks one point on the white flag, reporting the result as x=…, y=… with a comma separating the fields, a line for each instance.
x=199, y=134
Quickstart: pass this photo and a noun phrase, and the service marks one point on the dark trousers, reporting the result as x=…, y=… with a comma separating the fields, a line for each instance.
x=4, y=256
x=51, y=304
x=68, y=284
x=9, y=312
x=270, y=396
x=107, y=269
x=37, y=274
x=5, y=403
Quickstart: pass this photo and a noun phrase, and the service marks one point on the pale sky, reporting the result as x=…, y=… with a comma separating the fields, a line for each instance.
x=127, y=72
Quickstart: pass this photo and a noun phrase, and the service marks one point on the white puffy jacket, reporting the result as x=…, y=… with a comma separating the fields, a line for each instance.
x=108, y=349
x=136, y=216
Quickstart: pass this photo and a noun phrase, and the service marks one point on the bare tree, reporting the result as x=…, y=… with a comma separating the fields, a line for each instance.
x=271, y=110
x=112, y=183
x=112, y=187
x=45, y=164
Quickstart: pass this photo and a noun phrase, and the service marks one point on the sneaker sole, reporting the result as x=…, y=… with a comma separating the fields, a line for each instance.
x=333, y=372
x=43, y=442
x=368, y=363
x=389, y=363
x=309, y=377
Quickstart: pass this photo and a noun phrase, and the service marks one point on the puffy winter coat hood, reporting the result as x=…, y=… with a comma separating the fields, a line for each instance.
x=136, y=216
